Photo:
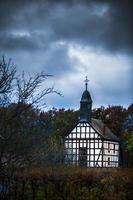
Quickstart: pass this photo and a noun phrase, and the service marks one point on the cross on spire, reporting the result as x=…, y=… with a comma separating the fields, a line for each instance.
x=86, y=82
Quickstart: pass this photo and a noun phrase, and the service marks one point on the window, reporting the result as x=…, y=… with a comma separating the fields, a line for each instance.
x=114, y=148
x=91, y=157
x=70, y=145
x=82, y=135
x=83, y=156
x=108, y=147
x=92, y=151
x=83, y=129
x=92, y=145
x=99, y=144
x=74, y=145
x=96, y=145
x=74, y=135
x=92, y=135
x=87, y=129
x=108, y=161
x=87, y=135
x=81, y=144
x=78, y=129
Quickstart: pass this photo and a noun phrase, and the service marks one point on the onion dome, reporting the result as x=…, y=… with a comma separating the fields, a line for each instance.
x=85, y=105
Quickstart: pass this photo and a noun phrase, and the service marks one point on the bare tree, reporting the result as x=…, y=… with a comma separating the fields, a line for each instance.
x=26, y=89
x=30, y=89
x=7, y=76
x=27, y=92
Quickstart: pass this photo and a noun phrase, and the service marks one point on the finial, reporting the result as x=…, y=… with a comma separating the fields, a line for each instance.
x=86, y=82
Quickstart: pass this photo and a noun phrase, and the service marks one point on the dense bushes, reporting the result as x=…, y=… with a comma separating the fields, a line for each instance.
x=73, y=184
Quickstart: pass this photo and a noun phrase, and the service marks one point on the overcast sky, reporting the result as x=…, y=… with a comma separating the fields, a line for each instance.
x=72, y=39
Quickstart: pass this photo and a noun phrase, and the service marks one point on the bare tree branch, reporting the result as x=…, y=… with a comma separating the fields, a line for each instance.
x=29, y=90
x=7, y=75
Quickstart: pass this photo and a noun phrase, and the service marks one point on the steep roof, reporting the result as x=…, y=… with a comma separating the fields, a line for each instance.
x=102, y=129
x=86, y=96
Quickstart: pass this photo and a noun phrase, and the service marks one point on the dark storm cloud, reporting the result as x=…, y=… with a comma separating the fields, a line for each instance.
x=39, y=34
x=80, y=21
x=23, y=40
x=11, y=42
x=111, y=30
x=57, y=62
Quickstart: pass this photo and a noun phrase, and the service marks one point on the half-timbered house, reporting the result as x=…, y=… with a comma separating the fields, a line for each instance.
x=91, y=143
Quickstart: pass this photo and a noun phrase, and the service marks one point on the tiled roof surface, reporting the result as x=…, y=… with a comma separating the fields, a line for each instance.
x=101, y=128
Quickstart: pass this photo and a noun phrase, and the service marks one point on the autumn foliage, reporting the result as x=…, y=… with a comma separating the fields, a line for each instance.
x=73, y=183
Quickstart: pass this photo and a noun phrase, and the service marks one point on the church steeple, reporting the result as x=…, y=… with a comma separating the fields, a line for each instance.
x=85, y=104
